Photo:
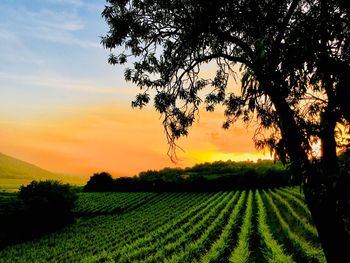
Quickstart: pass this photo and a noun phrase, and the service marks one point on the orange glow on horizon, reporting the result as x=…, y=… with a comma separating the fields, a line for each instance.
x=119, y=140
x=237, y=157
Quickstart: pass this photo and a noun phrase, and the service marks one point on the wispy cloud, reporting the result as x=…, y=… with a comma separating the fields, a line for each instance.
x=6, y=35
x=95, y=5
x=69, y=2
x=12, y=49
x=58, y=27
x=71, y=85
x=63, y=26
x=64, y=38
x=48, y=19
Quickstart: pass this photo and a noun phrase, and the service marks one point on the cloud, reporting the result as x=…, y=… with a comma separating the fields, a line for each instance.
x=67, y=39
x=62, y=26
x=46, y=19
x=65, y=2
x=13, y=50
x=83, y=4
x=6, y=35
x=71, y=85
x=58, y=27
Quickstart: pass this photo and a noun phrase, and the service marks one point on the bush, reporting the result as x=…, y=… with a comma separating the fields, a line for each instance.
x=217, y=176
x=48, y=203
x=100, y=182
x=39, y=208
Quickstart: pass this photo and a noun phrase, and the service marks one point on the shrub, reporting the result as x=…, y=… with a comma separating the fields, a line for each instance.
x=48, y=204
x=40, y=207
x=100, y=182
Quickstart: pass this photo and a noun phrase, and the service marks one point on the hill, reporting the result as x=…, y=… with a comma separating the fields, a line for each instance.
x=12, y=168
x=15, y=172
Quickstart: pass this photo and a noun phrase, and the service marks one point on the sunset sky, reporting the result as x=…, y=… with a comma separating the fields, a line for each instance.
x=63, y=108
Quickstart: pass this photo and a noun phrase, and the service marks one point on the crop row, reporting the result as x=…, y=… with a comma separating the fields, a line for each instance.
x=241, y=226
x=106, y=203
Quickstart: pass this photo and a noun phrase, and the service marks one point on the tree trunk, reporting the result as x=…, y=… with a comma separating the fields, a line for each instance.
x=322, y=197
x=322, y=203
x=291, y=134
x=319, y=191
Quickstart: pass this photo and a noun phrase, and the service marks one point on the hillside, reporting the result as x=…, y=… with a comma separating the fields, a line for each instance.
x=15, y=172
x=12, y=168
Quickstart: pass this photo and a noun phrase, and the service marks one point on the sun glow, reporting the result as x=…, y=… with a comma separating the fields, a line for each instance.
x=221, y=156
x=116, y=139
x=316, y=149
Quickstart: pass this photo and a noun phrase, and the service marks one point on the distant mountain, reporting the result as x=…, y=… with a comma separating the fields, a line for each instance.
x=15, y=172
x=12, y=168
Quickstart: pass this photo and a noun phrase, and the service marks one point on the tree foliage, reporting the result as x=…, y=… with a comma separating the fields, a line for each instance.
x=281, y=62
x=217, y=176
x=100, y=182
x=40, y=207
x=294, y=65
x=48, y=197
x=48, y=205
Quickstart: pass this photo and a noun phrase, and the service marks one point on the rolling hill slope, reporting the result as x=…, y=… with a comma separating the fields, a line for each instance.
x=12, y=168
x=15, y=172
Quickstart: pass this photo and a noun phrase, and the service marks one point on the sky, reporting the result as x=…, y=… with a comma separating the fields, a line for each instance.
x=65, y=109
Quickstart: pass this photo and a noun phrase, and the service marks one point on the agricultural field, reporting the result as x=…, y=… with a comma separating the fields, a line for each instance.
x=239, y=226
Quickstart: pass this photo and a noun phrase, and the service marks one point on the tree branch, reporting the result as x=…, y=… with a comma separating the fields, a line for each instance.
x=237, y=41
x=282, y=27
x=214, y=56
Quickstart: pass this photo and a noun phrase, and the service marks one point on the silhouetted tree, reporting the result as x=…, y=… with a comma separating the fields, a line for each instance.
x=47, y=204
x=100, y=182
x=38, y=208
x=294, y=66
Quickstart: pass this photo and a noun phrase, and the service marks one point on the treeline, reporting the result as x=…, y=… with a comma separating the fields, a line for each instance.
x=217, y=176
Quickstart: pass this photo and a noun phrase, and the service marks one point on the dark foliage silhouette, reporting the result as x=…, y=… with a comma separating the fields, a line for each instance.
x=295, y=73
x=99, y=182
x=40, y=207
x=217, y=176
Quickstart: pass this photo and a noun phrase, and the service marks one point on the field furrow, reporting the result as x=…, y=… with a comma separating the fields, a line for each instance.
x=308, y=229
x=171, y=231
x=239, y=226
x=304, y=250
x=241, y=253
x=196, y=248
x=273, y=251
x=298, y=205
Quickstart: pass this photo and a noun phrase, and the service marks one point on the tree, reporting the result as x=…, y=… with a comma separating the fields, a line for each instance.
x=100, y=182
x=47, y=205
x=295, y=70
x=39, y=208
